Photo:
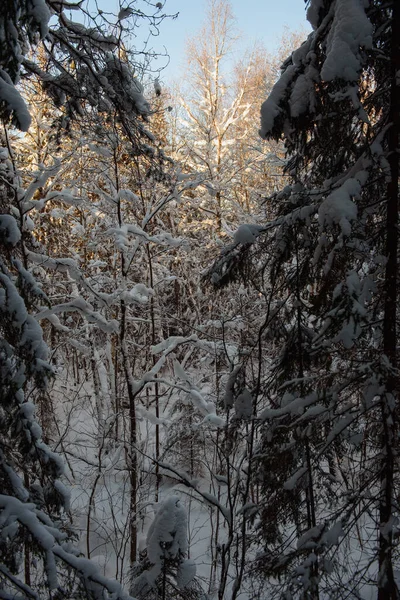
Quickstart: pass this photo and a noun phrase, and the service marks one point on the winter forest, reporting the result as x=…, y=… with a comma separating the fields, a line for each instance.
x=199, y=391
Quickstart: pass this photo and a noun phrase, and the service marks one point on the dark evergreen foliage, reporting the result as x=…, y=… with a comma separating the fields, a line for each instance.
x=329, y=436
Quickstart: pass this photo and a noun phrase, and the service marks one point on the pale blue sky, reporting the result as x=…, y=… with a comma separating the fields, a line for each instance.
x=258, y=20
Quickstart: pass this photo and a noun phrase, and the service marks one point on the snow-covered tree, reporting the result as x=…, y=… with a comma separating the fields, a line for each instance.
x=164, y=570
x=86, y=73
x=85, y=65
x=216, y=122
x=36, y=554
x=328, y=266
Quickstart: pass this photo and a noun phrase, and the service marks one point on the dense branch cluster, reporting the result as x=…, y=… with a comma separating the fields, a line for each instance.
x=198, y=328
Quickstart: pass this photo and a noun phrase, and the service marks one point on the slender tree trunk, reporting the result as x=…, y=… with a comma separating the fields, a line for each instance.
x=132, y=456
x=110, y=353
x=27, y=544
x=310, y=496
x=242, y=547
x=156, y=386
x=387, y=588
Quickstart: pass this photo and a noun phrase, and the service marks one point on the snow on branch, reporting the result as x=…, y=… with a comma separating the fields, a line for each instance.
x=294, y=94
x=51, y=542
x=9, y=230
x=350, y=31
x=82, y=307
x=13, y=102
x=271, y=109
x=193, y=484
x=121, y=236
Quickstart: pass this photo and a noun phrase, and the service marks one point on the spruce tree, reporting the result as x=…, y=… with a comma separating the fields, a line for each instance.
x=327, y=459
x=164, y=571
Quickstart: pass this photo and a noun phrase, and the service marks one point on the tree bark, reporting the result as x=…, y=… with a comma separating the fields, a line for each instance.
x=132, y=453
x=387, y=588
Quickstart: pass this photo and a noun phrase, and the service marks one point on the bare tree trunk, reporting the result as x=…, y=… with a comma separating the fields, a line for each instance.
x=110, y=347
x=156, y=386
x=132, y=453
x=132, y=458
x=27, y=542
x=310, y=496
